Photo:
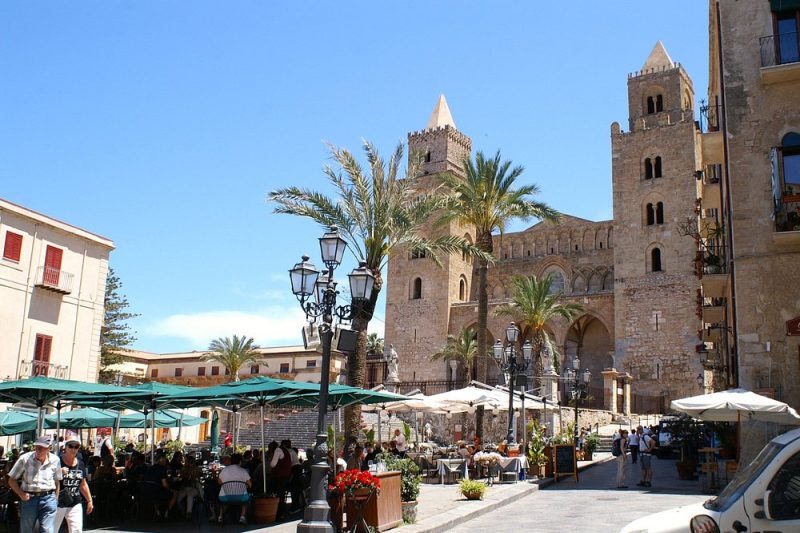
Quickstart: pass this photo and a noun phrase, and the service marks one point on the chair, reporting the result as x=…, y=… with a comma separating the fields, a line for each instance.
x=233, y=493
x=146, y=498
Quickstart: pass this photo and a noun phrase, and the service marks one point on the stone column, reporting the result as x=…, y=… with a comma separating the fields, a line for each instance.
x=610, y=389
x=550, y=393
x=626, y=391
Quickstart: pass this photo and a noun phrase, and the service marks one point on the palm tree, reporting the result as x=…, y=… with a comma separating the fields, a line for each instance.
x=461, y=347
x=233, y=353
x=374, y=344
x=486, y=199
x=533, y=304
x=376, y=211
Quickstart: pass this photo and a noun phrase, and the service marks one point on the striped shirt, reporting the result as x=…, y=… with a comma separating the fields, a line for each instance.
x=37, y=476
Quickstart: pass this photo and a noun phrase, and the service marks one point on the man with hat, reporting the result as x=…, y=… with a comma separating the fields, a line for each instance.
x=40, y=472
x=74, y=489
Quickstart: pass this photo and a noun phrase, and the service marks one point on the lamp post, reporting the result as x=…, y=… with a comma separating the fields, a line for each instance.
x=580, y=387
x=506, y=357
x=307, y=281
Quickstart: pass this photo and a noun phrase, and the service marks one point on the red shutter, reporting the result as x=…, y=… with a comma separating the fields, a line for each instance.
x=215, y=371
x=13, y=246
x=178, y=372
x=41, y=355
x=201, y=371
x=52, y=265
x=154, y=373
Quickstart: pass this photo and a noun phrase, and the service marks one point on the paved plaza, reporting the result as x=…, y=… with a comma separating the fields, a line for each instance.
x=591, y=505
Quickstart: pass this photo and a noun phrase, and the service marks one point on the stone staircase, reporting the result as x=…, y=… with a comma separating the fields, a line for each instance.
x=605, y=444
x=299, y=427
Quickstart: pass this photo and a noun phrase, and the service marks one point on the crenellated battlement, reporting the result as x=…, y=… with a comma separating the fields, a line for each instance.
x=429, y=134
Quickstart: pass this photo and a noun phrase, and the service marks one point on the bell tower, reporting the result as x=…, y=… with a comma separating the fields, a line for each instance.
x=419, y=293
x=653, y=173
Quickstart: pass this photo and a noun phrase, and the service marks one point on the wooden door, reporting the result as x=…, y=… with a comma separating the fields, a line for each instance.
x=52, y=265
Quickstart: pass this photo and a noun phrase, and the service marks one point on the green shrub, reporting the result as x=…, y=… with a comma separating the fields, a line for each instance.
x=471, y=489
x=590, y=443
x=410, y=479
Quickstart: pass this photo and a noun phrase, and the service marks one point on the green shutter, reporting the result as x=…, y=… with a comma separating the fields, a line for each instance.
x=784, y=5
x=777, y=204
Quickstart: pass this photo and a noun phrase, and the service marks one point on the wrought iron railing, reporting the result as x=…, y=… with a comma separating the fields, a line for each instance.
x=54, y=279
x=709, y=116
x=779, y=49
x=33, y=368
x=715, y=259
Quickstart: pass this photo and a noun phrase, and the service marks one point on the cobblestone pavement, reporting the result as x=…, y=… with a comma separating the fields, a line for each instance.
x=593, y=505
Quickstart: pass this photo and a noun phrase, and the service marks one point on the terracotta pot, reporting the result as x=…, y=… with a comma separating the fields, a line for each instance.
x=265, y=509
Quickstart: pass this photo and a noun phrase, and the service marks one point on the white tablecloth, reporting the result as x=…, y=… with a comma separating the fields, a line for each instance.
x=447, y=466
x=513, y=464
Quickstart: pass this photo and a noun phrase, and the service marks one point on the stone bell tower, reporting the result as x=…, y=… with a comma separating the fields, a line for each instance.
x=419, y=293
x=653, y=172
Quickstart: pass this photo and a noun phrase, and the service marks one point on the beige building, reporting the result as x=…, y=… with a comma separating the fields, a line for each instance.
x=52, y=287
x=190, y=368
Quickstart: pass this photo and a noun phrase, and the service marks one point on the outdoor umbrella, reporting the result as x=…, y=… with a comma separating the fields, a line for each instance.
x=14, y=422
x=466, y=399
x=734, y=405
x=416, y=402
x=87, y=417
x=165, y=418
x=43, y=391
x=214, y=431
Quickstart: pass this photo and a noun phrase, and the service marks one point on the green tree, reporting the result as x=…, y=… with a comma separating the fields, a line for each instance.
x=377, y=211
x=462, y=347
x=115, y=336
x=487, y=199
x=233, y=353
x=374, y=344
x=533, y=304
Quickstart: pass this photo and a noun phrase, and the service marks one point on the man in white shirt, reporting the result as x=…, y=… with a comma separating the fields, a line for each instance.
x=633, y=444
x=40, y=472
x=235, y=493
x=400, y=442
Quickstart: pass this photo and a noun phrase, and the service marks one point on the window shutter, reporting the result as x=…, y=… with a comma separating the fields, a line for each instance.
x=776, y=182
x=13, y=246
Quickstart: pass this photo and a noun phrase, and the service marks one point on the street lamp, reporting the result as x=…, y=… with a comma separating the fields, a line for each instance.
x=506, y=357
x=307, y=282
x=580, y=387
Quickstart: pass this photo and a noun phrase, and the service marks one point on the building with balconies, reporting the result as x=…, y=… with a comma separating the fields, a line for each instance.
x=52, y=288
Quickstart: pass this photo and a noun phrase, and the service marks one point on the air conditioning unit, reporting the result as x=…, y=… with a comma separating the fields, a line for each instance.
x=311, y=337
x=345, y=339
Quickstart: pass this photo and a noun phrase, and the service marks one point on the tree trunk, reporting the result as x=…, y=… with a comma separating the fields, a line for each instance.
x=484, y=242
x=538, y=364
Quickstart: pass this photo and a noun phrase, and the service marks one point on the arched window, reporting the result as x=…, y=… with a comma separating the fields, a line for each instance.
x=659, y=103
x=655, y=260
x=462, y=290
x=648, y=168
x=651, y=105
x=657, y=171
x=416, y=290
x=651, y=216
x=660, y=213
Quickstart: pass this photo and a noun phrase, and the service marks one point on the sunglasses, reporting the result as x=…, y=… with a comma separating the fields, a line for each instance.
x=74, y=446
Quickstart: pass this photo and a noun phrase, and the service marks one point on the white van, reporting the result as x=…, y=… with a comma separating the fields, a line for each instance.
x=764, y=496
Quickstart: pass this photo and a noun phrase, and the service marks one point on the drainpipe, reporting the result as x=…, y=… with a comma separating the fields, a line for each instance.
x=732, y=378
x=28, y=295
x=77, y=313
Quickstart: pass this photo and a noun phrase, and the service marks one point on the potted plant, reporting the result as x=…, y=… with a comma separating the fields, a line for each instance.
x=265, y=507
x=537, y=453
x=712, y=263
x=685, y=431
x=590, y=445
x=471, y=489
x=410, y=481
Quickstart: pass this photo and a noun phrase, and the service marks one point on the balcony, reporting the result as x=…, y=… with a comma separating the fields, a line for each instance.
x=714, y=309
x=33, y=368
x=780, y=57
x=53, y=279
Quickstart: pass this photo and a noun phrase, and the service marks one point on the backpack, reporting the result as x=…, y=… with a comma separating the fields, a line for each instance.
x=616, y=449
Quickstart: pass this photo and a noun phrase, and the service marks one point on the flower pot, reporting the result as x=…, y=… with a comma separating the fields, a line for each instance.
x=409, y=512
x=265, y=509
x=686, y=470
x=473, y=495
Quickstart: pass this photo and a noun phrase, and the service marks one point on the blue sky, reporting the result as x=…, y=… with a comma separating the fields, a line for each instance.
x=163, y=125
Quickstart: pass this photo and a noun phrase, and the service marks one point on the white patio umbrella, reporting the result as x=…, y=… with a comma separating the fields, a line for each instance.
x=735, y=405
x=417, y=402
x=465, y=399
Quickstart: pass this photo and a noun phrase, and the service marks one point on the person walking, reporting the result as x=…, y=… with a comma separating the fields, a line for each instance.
x=40, y=471
x=647, y=445
x=633, y=444
x=74, y=489
x=622, y=459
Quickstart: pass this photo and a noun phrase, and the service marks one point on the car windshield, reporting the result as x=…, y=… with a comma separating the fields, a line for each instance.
x=743, y=478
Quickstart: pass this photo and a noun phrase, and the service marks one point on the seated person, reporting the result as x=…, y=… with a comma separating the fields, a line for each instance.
x=94, y=464
x=190, y=485
x=106, y=471
x=356, y=461
x=176, y=464
x=229, y=496
x=157, y=481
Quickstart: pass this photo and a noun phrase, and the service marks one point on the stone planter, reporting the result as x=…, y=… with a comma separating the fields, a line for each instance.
x=410, y=512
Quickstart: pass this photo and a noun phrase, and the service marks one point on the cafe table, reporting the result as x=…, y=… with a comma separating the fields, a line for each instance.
x=451, y=466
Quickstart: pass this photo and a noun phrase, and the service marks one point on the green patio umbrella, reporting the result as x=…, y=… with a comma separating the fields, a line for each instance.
x=341, y=396
x=15, y=422
x=87, y=417
x=43, y=391
x=214, y=431
x=163, y=419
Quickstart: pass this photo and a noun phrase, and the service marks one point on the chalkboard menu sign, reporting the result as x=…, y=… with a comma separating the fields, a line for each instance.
x=564, y=463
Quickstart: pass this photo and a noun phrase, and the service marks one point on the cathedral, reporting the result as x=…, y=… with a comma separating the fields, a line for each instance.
x=634, y=275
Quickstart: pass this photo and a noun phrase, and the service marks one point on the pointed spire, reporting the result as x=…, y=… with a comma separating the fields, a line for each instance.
x=441, y=115
x=658, y=59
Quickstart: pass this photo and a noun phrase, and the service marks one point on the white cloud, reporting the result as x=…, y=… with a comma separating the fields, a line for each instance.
x=271, y=326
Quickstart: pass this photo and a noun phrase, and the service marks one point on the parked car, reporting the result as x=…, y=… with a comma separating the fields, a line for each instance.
x=763, y=496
